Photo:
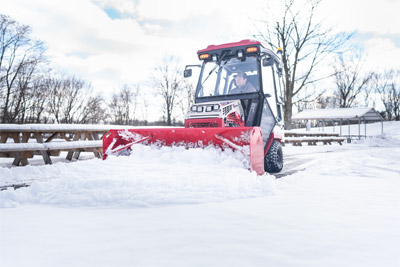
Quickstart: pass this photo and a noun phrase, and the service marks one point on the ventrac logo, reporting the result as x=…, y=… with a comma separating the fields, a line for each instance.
x=225, y=103
x=233, y=103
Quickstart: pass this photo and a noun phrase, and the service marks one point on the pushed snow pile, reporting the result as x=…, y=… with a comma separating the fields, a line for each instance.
x=149, y=177
x=382, y=140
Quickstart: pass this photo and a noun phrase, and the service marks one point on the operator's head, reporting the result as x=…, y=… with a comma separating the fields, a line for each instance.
x=241, y=79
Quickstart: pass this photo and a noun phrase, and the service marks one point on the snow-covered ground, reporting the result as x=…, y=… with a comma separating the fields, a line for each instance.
x=334, y=206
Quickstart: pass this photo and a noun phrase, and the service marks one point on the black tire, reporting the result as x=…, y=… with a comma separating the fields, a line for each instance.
x=273, y=161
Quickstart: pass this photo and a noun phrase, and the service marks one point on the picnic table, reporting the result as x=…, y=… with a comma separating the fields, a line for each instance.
x=309, y=134
x=312, y=138
x=23, y=141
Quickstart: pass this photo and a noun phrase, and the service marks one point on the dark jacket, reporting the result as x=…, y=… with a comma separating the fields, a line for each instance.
x=248, y=88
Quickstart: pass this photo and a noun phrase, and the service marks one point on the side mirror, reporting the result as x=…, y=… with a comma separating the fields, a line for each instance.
x=187, y=73
x=267, y=61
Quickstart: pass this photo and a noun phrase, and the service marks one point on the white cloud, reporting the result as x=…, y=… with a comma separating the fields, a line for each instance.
x=122, y=6
x=169, y=10
x=83, y=39
x=381, y=54
x=380, y=17
x=178, y=10
x=377, y=24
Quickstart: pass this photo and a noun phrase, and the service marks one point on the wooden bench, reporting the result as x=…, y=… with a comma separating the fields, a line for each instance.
x=312, y=141
x=309, y=134
x=23, y=141
x=22, y=151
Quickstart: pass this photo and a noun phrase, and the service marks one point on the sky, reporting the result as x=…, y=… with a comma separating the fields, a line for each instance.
x=115, y=42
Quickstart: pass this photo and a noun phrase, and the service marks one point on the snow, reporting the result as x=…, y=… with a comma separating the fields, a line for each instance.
x=333, y=206
x=338, y=113
x=59, y=127
x=388, y=130
x=34, y=127
x=50, y=146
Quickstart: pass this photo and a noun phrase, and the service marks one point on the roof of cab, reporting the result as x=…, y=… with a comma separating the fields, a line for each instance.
x=229, y=45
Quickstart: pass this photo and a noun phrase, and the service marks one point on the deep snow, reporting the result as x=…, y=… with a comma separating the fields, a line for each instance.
x=339, y=206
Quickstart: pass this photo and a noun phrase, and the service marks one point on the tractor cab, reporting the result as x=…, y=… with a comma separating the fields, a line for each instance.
x=217, y=89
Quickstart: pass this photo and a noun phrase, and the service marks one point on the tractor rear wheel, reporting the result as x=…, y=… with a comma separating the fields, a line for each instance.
x=273, y=161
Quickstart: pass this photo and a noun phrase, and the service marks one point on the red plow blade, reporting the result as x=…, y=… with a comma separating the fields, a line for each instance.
x=245, y=139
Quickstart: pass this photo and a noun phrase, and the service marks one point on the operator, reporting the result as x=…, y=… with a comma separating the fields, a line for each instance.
x=242, y=86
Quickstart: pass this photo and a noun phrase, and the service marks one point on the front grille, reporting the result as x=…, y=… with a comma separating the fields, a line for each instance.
x=226, y=110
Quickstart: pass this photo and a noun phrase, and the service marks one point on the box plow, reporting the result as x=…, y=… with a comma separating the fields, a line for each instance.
x=248, y=140
x=237, y=106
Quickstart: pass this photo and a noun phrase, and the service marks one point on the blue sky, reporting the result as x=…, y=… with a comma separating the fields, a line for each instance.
x=113, y=42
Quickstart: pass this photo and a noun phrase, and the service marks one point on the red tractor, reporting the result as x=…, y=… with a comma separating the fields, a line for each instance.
x=237, y=105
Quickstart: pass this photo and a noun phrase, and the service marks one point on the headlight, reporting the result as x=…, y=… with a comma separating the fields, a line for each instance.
x=193, y=109
x=214, y=107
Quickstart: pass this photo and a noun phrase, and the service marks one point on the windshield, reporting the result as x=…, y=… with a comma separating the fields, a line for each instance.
x=229, y=76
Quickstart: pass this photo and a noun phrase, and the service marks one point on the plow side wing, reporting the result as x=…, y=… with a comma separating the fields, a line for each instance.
x=245, y=139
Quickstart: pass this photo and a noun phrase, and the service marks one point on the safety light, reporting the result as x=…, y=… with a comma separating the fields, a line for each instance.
x=204, y=56
x=214, y=107
x=240, y=53
x=214, y=57
x=279, y=50
x=251, y=49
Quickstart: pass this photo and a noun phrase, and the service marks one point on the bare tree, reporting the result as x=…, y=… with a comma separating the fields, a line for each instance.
x=387, y=86
x=349, y=79
x=75, y=92
x=37, y=101
x=395, y=91
x=328, y=102
x=305, y=44
x=144, y=110
x=123, y=105
x=20, y=56
x=135, y=91
x=93, y=111
x=167, y=79
x=54, y=86
x=187, y=98
x=68, y=99
x=27, y=95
